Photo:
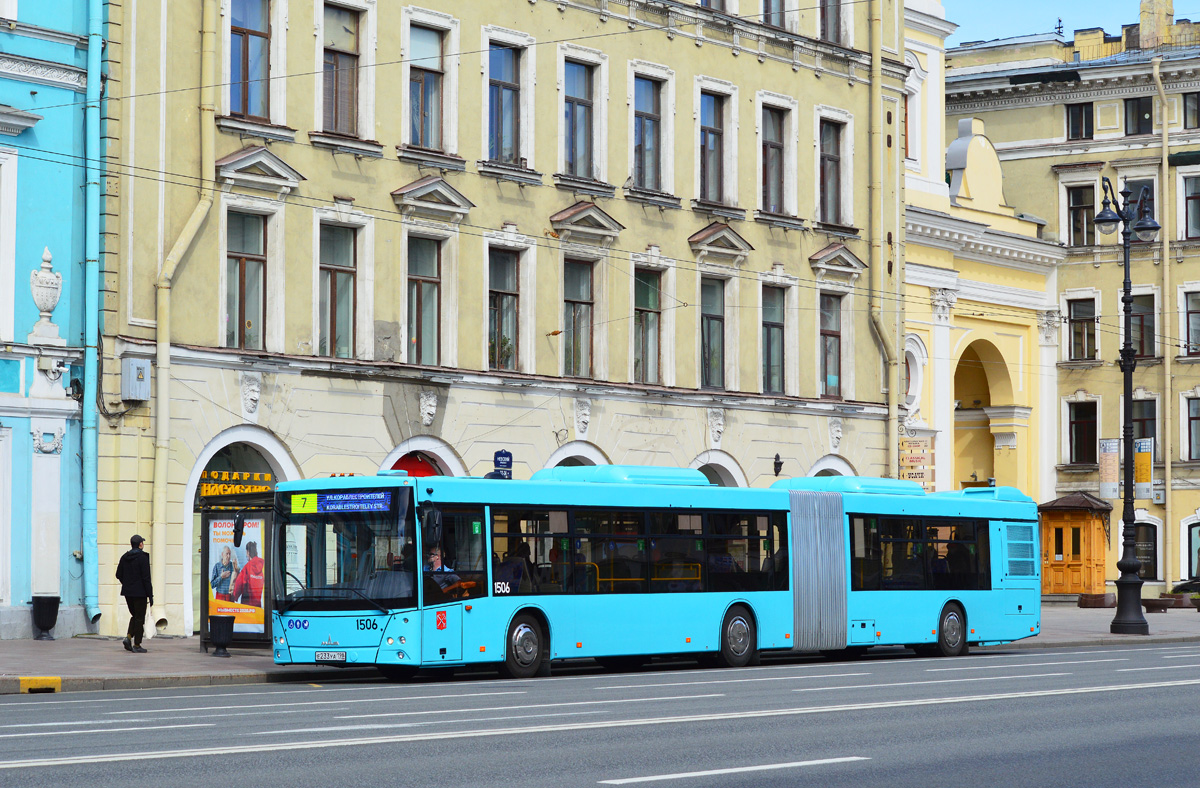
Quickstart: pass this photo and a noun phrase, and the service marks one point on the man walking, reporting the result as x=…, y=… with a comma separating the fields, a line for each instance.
x=133, y=571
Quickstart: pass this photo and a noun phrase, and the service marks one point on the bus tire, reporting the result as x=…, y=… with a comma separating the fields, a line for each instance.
x=396, y=672
x=525, y=648
x=952, y=631
x=738, y=637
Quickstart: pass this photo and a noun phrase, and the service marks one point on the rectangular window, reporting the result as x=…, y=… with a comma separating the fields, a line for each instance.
x=772, y=160
x=1082, y=431
x=1193, y=324
x=1081, y=318
x=1191, y=111
x=1144, y=418
x=647, y=133
x=577, y=319
x=712, y=146
x=337, y=291
x=773, y=13
x=577, y=103
x=1079, y=121
x=1081, y=214
x=1143, y=326
x=424, y=299
x=934, y=553
x=831, y=345
x=341, y=70
x=1193, y=417
x=716, y=5
x=504, y=104
x=1145, y=207
x=249, y=59
x=502, y=309
x=1191, y=191
x=245, y=280
x=712, y=333
x=455, y=567
x=647, y=317
x=1139, y=115
x=610, y=551
x=831, y=172
x=530, y=552
x=425, y=78
x=773, y=300
x=831, y=21
x=1145, y=549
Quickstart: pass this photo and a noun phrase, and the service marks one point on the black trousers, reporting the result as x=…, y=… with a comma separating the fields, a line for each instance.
x=137, y=617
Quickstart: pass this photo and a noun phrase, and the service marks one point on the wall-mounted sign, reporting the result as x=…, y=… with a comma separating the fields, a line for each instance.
x=502, y=460
x=235, y=482
x=1143, y=467
x=1109, y=469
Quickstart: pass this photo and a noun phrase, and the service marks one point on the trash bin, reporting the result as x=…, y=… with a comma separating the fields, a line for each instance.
x=45, y=615
x=220, y=632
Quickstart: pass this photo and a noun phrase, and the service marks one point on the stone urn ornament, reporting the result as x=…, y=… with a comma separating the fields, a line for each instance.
x=46, y=286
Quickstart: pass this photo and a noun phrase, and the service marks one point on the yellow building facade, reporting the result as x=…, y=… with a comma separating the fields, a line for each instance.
x=979, y=292
x=348, y=236
x=1065, y=116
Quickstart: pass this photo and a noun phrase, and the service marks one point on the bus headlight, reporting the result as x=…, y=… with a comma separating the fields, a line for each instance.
x=390, y=641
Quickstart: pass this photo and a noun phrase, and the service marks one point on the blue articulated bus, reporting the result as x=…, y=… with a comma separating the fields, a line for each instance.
x=619, y=563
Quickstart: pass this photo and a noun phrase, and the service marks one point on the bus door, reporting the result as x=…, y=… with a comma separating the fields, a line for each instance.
x=454, y=573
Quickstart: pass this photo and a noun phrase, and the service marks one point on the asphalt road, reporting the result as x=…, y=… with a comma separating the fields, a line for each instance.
x=1070, y=717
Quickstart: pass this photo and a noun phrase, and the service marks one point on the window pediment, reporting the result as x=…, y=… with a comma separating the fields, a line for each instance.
x=432, y=197
x=255, y=167
x=13, y=121
x=719, y=242
x=837, y=264
x=585, y=221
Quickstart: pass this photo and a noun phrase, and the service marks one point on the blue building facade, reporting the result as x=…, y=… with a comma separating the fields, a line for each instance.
x=48, y=175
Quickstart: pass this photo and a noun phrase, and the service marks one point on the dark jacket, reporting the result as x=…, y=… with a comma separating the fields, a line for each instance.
x=133, y=571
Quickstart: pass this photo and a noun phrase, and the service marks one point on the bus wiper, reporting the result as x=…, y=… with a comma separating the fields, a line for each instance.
x=382, y=609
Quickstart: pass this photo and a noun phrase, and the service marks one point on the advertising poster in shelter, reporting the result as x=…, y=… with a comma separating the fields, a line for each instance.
x=236, y=577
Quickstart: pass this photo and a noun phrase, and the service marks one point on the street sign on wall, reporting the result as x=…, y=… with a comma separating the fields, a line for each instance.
x=1109, y=469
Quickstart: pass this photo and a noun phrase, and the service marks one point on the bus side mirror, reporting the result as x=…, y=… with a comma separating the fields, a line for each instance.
x=239, y=525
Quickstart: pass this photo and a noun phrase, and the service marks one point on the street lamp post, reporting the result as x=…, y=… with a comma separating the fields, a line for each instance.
x=1136, y=220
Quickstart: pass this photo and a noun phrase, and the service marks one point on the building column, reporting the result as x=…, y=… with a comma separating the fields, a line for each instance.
x=1009, y=425
x=45, y=505
x=942, y=390
x=1049, y=322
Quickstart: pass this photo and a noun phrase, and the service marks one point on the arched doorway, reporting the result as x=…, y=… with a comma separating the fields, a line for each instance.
x=720, y=468
x=576, y=453
x=988, y=425
x=425, y=453
x=832, y=465
x=418, y=463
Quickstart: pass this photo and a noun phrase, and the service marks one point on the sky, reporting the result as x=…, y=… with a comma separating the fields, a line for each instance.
x=983, y=20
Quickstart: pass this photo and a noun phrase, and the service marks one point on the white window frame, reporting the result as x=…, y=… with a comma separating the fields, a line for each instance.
x=666, y=107
x=451, y=60
x=528, y=74
x=846, y=361
x=1181, y=293
x=598, y=61
x=729, y=151
x=1140, y=172
x=1143, y=517
x=913, y=87
x=791, y=328
x=791, y=16
x=1080, y=396
x=277, y=16
x=1184, y=447
x=526, y=249
x=821, y=113
x=667, y=268
x=1181, y=175
x=597, y=257
x=276, y=270
x=791, y=144
x=1064, y=337
x=846, y=32
x=1186, y=567
x=917, y=356
x=8, y=242
x=732, y=293
x=1159, y=316
x=367, y=43
x=1141, y=394
x=8, y=9
x=447, y=237
x=364, y=276
x=1066, y=181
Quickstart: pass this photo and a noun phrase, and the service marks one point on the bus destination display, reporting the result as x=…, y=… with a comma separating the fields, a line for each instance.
x=341, y=502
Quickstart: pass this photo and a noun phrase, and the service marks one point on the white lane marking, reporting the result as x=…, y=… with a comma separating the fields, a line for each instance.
x=325, y=702
x=526, y=707
x=377, y=726
x=1163, y=667
x=737, y=770
x=1026, y=665
x=731, y=681
x=225, y=714
x=62, y=724
x=226, y=751
x=106, y=730
x=924, y=683
x=1193, y=655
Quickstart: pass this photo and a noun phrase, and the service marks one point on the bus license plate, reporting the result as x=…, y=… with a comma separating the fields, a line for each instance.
x=330, y=656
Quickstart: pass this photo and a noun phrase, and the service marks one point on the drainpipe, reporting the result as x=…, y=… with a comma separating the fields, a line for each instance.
x=162, y=396
x=875, y=269
x=1168, y=345
x=91, y=311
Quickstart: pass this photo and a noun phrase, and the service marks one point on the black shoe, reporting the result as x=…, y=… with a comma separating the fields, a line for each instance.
x=128, y=646
x=138, y=650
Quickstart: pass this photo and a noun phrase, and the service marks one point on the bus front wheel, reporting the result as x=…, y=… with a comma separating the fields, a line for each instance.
x=525, y=648
x=952, y=631
x=738, y=638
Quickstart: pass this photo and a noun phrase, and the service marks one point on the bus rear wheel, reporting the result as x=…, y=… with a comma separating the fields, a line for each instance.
x=952, y=631
x=738, y=638
x=525, y=648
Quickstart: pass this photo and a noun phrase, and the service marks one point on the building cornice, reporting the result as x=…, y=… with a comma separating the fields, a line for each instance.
x=43, y=72
x=43, y=33
x=976, y=241
x=920, y=22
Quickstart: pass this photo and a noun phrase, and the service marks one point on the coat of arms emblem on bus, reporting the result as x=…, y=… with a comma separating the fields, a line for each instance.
x=441, y=619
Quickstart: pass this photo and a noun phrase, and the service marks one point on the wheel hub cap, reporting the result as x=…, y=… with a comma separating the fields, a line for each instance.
x=738, y=636
x=525, y=645
x=953, y=630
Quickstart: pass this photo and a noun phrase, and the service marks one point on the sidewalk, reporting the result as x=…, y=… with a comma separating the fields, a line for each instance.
x=96, y=663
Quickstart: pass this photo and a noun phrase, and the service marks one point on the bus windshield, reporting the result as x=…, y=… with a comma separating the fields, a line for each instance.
x=345, y=550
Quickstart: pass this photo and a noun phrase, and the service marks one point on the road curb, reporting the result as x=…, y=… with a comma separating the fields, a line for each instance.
x=16, y=685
